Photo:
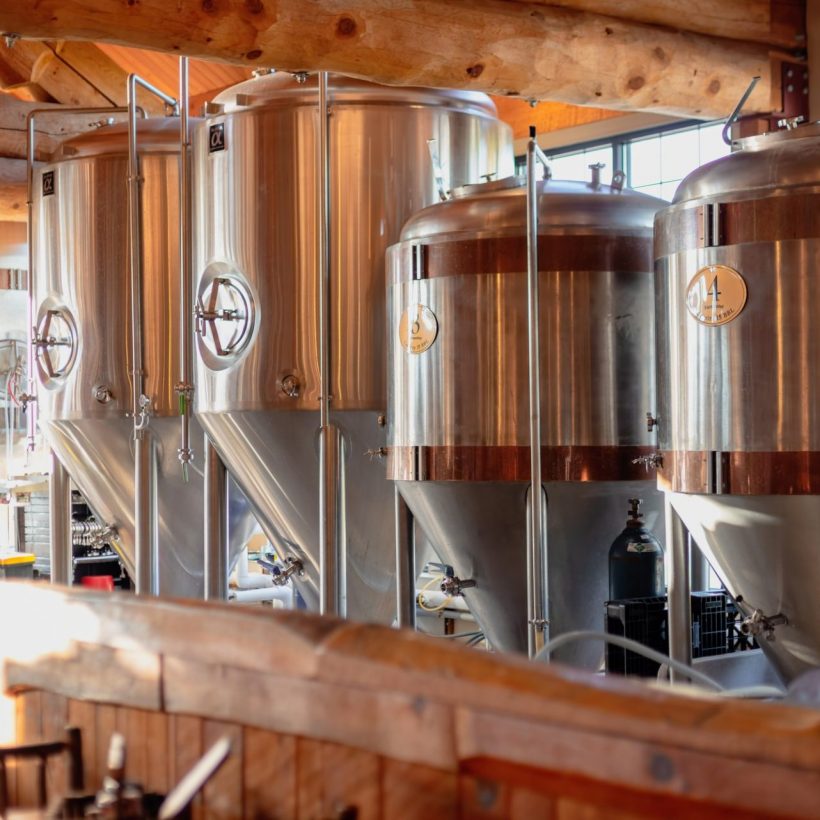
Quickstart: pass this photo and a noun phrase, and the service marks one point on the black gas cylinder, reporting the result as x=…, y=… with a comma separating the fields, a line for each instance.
x=635, y=560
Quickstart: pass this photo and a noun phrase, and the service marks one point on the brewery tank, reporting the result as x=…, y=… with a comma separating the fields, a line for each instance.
x=738, y=290
x=458, y=413
x=258, y=325
x=83, y=359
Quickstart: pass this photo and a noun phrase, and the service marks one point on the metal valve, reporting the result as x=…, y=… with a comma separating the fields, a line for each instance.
x=25, y=399
x=102, y=393
x=291, y=386
x=376, y=452
x=651, y=461
x=651, y=422
x=790, y=123
x=279, y=576
x=757, y=624
x=453, y=585
x=596, y=168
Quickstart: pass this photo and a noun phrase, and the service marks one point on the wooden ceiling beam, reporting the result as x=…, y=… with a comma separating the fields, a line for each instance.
x=511, y=49
x=13, y=190
x=50, y=131
x=779, y=23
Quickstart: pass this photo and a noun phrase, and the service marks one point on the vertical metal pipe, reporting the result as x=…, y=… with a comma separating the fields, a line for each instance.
x=679, y=591
x=61, y=555
x=537, y=567
x=145, y=532
x=185, y=387
x=405, y=565
x=31, y=404
x=146, y=579
x=216, y=525
x=332, y=558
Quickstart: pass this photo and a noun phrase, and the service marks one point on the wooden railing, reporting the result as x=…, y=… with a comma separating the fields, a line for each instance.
x=337, y=719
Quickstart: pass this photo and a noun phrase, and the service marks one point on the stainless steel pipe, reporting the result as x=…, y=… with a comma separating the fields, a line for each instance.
x=185, y=388
x=405, y=565
x=146, y=580
x=332, y=558
x=537, y=560
x=216, y=525
x=145, y=547
x=59, y=523
x=679, y=591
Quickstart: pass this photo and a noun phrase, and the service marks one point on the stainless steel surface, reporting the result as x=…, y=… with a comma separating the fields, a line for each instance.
x=479, y=528
x=257, y=227
x=217, y=563
x=463, y=397
x=146, y=558
x=59, y=523
x=31, y=117
x=405, y=565
x=81, y=275
x=679, y=591
x=538, y=629
x=738, y=404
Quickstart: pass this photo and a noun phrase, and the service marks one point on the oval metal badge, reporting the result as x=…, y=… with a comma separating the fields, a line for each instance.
x=418, y=329
x=716, y=295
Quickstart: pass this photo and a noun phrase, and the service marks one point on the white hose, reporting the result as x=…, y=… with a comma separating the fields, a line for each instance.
x=249, y=596
x=633, y=646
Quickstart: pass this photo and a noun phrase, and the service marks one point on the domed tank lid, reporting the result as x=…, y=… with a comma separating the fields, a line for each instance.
x=780, y=159
x=284, y=88
x=500, y=207
x=158, y=134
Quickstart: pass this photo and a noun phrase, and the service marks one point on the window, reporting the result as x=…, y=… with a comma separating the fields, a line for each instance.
x=654, y=162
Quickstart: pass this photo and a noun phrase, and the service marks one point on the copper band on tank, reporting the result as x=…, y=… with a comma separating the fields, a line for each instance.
x=741, y=473
x=771, y=219
x=512, y=463
x=508, y=254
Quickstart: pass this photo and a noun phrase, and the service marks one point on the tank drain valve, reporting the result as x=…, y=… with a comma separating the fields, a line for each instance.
x=757, y=624
x=651, y=461
x=279, y=576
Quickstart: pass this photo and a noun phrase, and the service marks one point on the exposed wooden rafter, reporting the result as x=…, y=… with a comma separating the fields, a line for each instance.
x=523, y=49
x=13, y=190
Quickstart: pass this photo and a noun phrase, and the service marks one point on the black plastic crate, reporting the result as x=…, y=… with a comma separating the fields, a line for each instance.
x=709, y=624
x=644, y=620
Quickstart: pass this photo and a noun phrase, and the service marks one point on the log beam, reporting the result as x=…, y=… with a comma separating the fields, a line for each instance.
x=511, y=49
x=773, y=22
x=13, y=190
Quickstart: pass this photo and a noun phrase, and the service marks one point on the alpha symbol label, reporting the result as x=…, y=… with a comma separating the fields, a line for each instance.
x=48, y=183
x=216, y=137
x=716, y=295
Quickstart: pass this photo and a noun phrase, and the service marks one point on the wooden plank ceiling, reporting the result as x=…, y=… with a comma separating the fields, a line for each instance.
x=623, y=55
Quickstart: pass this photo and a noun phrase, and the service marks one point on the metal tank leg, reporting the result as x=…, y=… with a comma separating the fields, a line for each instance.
x=216, y=525
x=405, y=565
x=145, y=558
x=61, y=555
x=699, y=568
x=332, y=547
x=679, y=591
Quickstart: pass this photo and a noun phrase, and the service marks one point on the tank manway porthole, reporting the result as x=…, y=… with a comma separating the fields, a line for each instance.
x=224, y=317
x=55, y=343
x=716, y=295
x=418, y=329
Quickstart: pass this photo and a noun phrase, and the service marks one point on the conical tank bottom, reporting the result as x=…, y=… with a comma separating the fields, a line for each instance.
x=765, y=549
x=274, y=457
x=479, y=528
x=99, y=456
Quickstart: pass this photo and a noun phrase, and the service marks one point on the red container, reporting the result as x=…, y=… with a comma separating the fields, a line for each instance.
x=105, y=582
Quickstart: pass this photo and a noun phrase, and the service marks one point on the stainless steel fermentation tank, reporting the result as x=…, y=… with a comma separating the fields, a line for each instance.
x=83, y=341
x=738, y=289
x=258, y=229
x=458, y=412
